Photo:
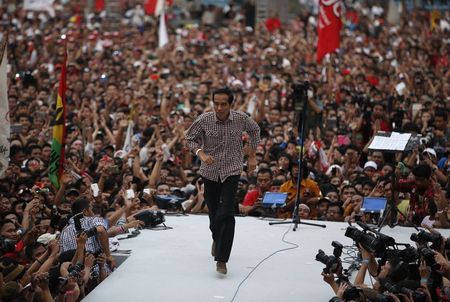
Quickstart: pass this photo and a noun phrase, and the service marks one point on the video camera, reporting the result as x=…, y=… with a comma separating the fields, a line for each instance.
x=151, y=218
x=77, y=220
x=436, y=239
x=332, y=262
x=373, y=242
x=299, y=94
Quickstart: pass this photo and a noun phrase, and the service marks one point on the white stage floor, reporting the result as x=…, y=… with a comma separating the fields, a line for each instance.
x=176, y=265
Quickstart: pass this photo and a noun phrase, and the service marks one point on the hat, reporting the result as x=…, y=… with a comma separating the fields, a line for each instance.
x=109, y=147
x=47, y=237
x=243, y=179
x=371, y=164
x=333, y=167
x=11, y=270
x=304, y=206
x=430, y=151
x=72, y=190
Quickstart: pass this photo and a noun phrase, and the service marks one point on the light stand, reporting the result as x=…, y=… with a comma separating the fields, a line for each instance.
x=300, y=97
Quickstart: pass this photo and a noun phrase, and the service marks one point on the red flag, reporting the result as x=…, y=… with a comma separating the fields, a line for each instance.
x=328, y=27
x=154, y=7
x=99, y=6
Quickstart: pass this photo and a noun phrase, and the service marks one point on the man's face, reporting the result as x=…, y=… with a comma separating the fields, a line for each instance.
x=46, y=151
x=422, y=182
x=333, y=196
x=9, y=231
x=378, y=111
x=440, y=123
x=348, y=192
x=25, y=122
x=163, y=190
x=36, y=152
x=38, y=252
x=303, y=213
x=333, y=213
x=264, y=181
x=221, y=106
x=378, y=158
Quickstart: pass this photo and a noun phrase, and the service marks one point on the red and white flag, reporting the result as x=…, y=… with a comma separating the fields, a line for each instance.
x=153, y=7
x=328, y=27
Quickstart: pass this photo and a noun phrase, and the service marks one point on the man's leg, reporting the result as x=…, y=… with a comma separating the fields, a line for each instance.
x=225, y=218
x=212, y=198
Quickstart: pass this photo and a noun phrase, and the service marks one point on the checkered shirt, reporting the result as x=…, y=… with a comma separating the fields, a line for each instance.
x=68, y=238
x=222, y=140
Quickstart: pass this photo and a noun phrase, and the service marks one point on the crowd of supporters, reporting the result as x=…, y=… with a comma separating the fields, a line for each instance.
x=384, y=77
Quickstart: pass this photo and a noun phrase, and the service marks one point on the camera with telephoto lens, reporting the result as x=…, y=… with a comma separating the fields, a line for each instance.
x=396, y=289
x=332, y=262
x=89, y=232
x=435, y=239
x=299, y=94
x=369, y=242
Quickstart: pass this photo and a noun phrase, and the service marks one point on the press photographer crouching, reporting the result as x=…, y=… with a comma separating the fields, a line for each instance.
x=84, y=222
x=400, y=271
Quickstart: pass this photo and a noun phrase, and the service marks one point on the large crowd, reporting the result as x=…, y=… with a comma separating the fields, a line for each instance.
x=384, y=77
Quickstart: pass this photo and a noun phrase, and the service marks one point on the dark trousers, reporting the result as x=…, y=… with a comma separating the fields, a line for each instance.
x=220, y=198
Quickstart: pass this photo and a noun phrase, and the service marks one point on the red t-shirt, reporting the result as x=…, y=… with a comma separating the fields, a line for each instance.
x=250, y=198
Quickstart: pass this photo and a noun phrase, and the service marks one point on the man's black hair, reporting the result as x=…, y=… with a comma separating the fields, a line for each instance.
x=441, y=113
x=80, y=205
x=224, y=90
x=422, y=170
x=30, y=248
x=265, y=171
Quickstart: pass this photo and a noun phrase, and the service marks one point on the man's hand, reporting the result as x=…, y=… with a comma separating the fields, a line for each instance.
x=206, y=158
x=111, y=261
x=251, y=165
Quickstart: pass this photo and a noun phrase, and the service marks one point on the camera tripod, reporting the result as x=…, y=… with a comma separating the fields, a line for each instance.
x=300, y=98
x=393, y=210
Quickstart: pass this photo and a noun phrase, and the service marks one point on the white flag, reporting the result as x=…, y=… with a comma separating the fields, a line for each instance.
x=127, y=144
x=163, y=37
x=40, y=5
x=4, y=110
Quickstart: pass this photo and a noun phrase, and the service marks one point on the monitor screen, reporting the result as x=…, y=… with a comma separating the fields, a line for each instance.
x=274, y=199
x=374, y=204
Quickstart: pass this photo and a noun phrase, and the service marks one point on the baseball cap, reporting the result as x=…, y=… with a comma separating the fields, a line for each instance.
x=430, y=151
x=370, y=164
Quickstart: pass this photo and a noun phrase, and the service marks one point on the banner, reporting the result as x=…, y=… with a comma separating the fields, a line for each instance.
x=59, y=129
x=127, y=145
x=162, y=34
x=4, y=108
x=328, y=27
x=40, y=5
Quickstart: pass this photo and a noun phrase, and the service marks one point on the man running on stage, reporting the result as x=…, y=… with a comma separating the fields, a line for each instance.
x=216, y=138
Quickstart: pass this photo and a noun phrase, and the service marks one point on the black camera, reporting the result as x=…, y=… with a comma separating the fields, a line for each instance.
x=418, y=296
x=332, y=263
x=423, y=237
x=407, y=255
x=151, y=218
x=6, y=246
x=428, y=255
x=299, y=95
x=89, y=232
x=368, y=241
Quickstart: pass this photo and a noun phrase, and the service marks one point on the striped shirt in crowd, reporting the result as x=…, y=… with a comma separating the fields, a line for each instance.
x=223, y=141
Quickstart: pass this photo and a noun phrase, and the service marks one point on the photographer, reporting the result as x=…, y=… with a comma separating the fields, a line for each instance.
x=95, y=226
